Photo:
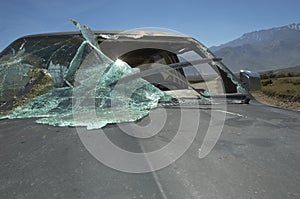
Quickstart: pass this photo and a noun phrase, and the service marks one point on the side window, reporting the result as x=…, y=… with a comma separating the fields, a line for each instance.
x=149, y=58
x=201, y=76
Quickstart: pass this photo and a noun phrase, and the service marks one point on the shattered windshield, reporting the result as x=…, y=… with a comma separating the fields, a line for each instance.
x=92, y=79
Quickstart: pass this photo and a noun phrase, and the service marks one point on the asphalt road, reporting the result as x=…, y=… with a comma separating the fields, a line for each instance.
x=257, y=156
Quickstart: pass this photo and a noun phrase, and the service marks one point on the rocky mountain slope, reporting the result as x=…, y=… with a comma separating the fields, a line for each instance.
x=263, y=50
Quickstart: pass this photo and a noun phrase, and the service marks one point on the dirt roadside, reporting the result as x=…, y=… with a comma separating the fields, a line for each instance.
x=276, y=101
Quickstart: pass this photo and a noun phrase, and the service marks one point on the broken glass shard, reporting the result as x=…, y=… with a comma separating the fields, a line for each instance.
x=78, y=95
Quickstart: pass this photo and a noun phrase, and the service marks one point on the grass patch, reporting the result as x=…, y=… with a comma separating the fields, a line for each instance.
x=284, y=87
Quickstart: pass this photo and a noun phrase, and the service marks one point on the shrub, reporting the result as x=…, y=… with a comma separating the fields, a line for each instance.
x=267, y=82
x=286, y=81
x=296, y=82
x=281, y=75
x=264, y=76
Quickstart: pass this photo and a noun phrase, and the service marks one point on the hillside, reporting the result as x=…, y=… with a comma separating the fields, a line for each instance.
x=262, y=50
x=290, y=71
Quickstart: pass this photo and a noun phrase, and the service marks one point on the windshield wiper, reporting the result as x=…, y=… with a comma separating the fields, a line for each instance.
x=241, y=97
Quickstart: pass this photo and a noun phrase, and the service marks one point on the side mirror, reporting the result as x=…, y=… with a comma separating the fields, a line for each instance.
x=250, y=80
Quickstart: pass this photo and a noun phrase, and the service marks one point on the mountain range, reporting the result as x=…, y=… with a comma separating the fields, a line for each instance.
x=262, y=50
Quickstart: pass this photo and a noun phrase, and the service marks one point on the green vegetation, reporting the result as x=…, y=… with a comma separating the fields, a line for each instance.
x=283, y=87
x=266, y=82
x=271, y=74
x=268, y=75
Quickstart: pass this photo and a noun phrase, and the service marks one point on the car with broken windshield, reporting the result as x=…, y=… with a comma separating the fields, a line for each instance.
x=136, y=114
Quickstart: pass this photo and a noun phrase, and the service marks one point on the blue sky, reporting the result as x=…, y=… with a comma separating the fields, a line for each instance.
x=211, y=22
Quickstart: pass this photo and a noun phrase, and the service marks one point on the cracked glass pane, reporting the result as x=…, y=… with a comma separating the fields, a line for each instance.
x=72, y=92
